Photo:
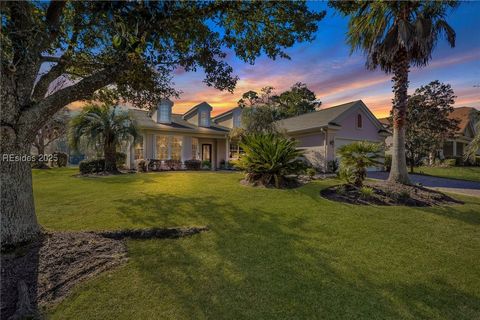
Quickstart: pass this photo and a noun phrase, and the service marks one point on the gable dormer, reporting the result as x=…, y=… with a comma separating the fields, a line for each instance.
x=163, y=113
x=200, y=115
x=230, y=119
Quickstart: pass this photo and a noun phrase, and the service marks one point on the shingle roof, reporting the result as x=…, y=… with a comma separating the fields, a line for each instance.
x=464, y=115
x=316, y=119
x=144, y=121
x=220, y=115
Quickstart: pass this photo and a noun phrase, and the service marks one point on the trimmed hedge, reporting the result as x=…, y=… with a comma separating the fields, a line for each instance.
x=192, y=164
x=92, y=166
x=62, y=159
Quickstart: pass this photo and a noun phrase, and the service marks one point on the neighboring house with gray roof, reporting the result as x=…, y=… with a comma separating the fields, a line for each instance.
x=197, y=135
x=456, y=145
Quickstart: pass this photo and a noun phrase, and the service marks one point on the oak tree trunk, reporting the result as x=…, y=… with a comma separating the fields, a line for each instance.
x=398, y=172
x=19, y=222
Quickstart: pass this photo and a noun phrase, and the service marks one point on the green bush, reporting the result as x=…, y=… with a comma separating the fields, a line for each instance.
x=311, y=172
x=268, y=158
x=341, y=190
x=141, y=165
x=206, y=164
x=366, y=192
x=192, y=164
x=356, y=158
x=332, y=165
x=92, y=166
x=449, y=162
x=62, y=159
x=172, y=164
x=120, y=159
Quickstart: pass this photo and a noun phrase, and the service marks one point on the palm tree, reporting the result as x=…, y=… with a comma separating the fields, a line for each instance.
x=355, y=158
x=102, y=125
x=395, y=35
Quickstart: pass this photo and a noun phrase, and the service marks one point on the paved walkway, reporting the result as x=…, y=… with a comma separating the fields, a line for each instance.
x=470, y=188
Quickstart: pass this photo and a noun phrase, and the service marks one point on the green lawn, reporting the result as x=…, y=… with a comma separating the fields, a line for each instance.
x=270, y=254
x=463, y=173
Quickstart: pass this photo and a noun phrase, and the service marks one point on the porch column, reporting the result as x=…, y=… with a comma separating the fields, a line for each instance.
x=214, y=155
x=227, y=150
x=454, y=144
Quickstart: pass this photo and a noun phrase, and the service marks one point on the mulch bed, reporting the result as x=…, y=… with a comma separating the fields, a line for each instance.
x=41, y=274
x=389, y=194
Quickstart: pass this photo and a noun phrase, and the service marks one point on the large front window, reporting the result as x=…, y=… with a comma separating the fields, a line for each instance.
x=162, y=148
x=176, y=148
x=204, y=119
x=164, y=114
x=139, y=148
x=169, y=147
x=235, y=151
x=195, y=149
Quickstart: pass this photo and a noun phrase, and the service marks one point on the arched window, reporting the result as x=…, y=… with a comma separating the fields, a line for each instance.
x=359, y=121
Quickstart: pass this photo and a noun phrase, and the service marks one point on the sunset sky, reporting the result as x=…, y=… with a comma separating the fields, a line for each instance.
x=335, y=76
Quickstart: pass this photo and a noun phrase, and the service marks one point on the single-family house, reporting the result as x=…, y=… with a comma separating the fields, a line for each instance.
x=455, y=145
x=197, y=135
x=322, y=132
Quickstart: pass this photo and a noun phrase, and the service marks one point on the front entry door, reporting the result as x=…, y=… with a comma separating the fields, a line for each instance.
x=207, y=152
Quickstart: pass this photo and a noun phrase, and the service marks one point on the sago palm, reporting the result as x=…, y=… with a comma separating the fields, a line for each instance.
x=395, y=35
x=104, y=126
x=355, y=158
x=268, y=158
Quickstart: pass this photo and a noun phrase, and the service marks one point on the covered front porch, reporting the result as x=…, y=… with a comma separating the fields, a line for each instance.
x=168, y=146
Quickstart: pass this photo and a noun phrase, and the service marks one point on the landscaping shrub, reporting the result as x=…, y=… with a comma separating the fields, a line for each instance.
x=311, y=172
x=62, y=159
x=332, y=166
x=172, y=164
x=449, y=162
x=141, y=165
x=268, y=158
x=356, y=158
x=192, y=164
x=92, y=166
x=366, y=192
x=120, y=159
x=341, y=190
x=206, y=164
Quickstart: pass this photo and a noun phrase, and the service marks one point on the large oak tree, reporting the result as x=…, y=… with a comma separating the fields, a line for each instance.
x=54, y=53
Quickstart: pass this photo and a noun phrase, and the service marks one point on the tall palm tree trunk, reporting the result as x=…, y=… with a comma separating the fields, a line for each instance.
x=398, y=172
x=110, y=158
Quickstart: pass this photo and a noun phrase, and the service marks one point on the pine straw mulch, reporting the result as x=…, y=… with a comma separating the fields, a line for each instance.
x=41, y=274
x=388, y=194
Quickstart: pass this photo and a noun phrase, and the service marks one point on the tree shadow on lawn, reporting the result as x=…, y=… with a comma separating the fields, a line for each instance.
x=255, y=264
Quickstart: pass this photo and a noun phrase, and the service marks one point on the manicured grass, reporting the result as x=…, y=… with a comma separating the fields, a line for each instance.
x=270, y=254
x=463, y=173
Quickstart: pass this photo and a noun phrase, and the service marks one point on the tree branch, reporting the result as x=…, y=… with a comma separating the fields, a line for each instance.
x=54, y=13
x=33, y=118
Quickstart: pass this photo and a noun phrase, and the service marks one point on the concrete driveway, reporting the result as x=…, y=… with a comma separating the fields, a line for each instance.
x=469, y=188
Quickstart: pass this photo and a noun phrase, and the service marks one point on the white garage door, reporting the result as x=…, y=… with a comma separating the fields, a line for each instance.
x=341, y=142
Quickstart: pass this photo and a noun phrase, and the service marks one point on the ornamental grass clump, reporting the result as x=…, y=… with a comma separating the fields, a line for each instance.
x=269, y=158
